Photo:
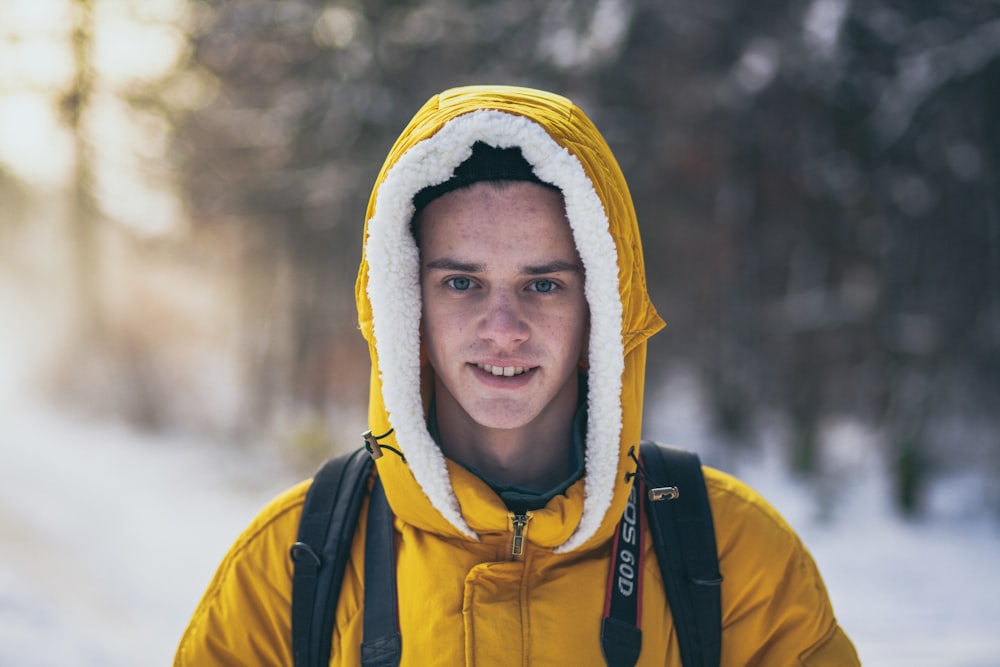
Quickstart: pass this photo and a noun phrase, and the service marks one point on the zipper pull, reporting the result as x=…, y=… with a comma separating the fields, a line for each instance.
x=520, y=522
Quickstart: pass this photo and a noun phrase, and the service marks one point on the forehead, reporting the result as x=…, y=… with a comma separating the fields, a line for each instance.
x=497, y=217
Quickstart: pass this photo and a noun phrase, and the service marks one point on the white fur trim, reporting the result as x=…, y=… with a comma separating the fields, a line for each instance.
x=394, y=292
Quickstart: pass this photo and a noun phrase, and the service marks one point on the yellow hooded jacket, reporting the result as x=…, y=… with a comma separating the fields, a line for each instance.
x=464, y=599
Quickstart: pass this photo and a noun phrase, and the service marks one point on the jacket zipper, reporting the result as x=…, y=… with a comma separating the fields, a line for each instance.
x=520, y=522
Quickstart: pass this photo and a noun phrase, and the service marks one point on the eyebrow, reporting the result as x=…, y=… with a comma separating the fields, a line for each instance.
x=449, y=264
x=552, y=267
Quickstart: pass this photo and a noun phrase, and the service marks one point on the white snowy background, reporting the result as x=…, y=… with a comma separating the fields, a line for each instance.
x=108, y=537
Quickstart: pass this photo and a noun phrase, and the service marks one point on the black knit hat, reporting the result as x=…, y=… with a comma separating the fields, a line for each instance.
x=487, y=163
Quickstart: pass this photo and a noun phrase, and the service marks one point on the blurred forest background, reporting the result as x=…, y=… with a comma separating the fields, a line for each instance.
x=183, y=184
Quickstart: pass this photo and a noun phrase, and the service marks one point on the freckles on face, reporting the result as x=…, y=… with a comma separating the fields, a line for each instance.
x=504, y=313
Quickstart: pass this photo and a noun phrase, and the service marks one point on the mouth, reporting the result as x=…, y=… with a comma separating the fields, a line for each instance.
x=503, y=371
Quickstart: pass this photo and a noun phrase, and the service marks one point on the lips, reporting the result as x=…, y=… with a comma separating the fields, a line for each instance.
x=503, y=371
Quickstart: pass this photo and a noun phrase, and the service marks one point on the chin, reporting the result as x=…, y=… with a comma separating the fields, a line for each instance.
x=501, y=420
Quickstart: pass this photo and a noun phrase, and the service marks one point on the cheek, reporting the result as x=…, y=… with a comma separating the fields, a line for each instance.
x=581, y=337
x=582, y=340
x=580, y=316
x=571, y=332
x=441, y=330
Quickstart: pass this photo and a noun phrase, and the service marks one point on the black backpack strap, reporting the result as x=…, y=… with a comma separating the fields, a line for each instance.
x=329, y=518
x=621, y=632
x=681, y=526
x=383, y=645
x=684, y=538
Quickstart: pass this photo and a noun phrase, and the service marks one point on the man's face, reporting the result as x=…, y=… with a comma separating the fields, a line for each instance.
x=504, y=313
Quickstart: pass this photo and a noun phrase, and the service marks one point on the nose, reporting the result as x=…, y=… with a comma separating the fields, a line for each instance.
x=503, y=320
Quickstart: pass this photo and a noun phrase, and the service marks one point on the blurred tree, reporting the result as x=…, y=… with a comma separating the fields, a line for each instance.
x=816, y=184
x=310, y=96
x=13, y=203
x=84, y=220
x=826, y=174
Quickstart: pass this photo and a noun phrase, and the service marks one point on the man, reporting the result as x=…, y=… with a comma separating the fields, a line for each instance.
x=502, y=294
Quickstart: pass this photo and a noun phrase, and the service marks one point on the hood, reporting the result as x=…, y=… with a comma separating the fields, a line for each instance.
x=566, y=150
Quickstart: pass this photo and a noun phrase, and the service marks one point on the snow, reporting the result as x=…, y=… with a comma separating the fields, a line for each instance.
x=914, y=593
x=110, y=536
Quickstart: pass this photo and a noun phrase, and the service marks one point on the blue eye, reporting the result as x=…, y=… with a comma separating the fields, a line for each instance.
x=544, y=286
x=459, y=283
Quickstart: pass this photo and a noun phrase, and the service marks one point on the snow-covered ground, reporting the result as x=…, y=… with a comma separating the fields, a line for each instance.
x=918, y=594
x=109, y=537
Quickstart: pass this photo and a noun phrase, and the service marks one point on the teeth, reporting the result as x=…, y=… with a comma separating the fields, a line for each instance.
x=503, y=371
